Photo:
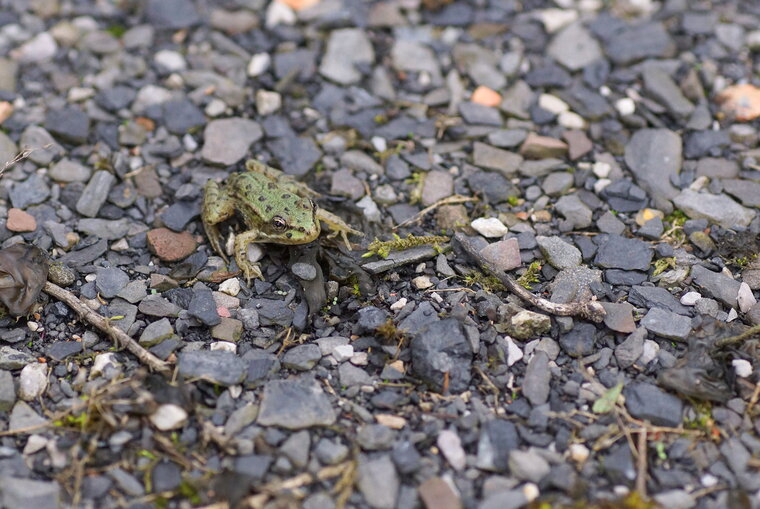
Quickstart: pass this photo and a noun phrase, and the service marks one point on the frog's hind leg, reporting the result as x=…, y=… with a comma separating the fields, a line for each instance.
x=217, y=207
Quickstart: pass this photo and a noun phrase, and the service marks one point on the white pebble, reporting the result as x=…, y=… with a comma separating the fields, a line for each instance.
x=514, y=352
x=41, y=47
x=343, y=352
x=552, y=104
x=579, y=453
x=259, y=64
x=571, y=120
x=101, y=363
x=745, y=298
x=172, y=61
x=230, y=286
x=215, y=107
x=33, y=326
x=742, y=367
x=279, y=14
x=625, y=106
x=267, y=102
x=32, y=381
x=168, y=416
x=399, y=304
x=489, y=227
x=554, y=19
x=422, y=282
x=223, y=346
x=708, y=480
x=690, y=298
x=360, y=359
x=732, y=315
x=379, y=143
x=601, y=169
x=651, y=349
x=600, y=184
x=370, y=210
x=530, y=491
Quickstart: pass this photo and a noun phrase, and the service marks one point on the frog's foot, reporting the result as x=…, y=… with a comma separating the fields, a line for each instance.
x=337, y=226
x=215, y=239
x=251, y=270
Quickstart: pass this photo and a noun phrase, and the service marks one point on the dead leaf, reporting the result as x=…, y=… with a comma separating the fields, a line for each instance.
x=23, y=272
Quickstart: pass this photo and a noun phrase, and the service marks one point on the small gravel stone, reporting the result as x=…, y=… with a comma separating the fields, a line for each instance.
x=346, y=48
x=156, y=332
x=537, y=379
x=168, y=416
x=559, y=253
x=716, y=208
x=441, y=352
x=228, y=329
x=170, y=246
x=95, y=193
x=67, y=170
x=618, y=252
x=227, y=140
x=378, y=481
x=69, y=124
x=667, y=324
x=20, y=221
x=220, y=367
x=646, y=401
x=528, y=465
x=489, y=227
x=451, y=447
x=504, y=254
x=716, y=285
x=576, y=213
x=33, y=381
x=302, y=357
x=295, y=404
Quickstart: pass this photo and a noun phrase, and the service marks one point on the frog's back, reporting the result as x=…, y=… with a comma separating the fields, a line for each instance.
x=260, y=197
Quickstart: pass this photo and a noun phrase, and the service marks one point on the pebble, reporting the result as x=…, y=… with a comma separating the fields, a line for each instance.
x=742, y=368
x=528, y=465
x=503, y=254
x=267, y=102
x=170, y=246
x=441, y=354
x=559, y=253
x=378, y=481
x=67, y=170
x=690, y=298
x=347, y=48
x=95, y=193
x=295, y=404
x=489, y=227
x=227, y=140
x=168, y=417
x=646, y=401
x=716, y=208
x=437, y=493
x=536, y=384
x=451, y=447
x=20, y=221
x=33, y=381
x=223, y=368
x=667, y=324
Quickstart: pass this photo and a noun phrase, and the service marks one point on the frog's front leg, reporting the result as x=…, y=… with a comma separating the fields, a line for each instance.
x=251, y=270
x=337, y=226
x=217, y=207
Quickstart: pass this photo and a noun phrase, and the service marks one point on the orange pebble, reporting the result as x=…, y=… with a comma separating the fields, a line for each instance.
x=485, y=96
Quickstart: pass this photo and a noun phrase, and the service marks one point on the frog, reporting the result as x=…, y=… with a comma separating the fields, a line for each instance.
x=274, y=207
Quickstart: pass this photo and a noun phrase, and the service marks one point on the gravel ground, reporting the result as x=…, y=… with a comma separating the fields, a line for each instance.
x=593, y=150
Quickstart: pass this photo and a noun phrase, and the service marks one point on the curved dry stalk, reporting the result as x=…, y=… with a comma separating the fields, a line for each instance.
x=119, y=337
x=590, y=310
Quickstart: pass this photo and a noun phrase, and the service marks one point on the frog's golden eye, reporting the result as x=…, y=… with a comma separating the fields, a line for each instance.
x=279, y=224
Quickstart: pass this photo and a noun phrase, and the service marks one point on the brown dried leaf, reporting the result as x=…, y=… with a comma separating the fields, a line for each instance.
x=23, y=272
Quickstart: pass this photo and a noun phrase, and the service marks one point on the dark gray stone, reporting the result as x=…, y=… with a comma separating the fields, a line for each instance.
x=579, y=342
x=638, y=42
x=654, y=157
x=716, y=285
x=667, y=324
x=295, y=404
x=655, y=296
x=618, y=252
x=110, y=281
x=181, y=116
x=171, y=14
x=497, y=438
x=69, y=124
x=203, y=307
x=440, y=352
x=646, y=401
x=218, y=367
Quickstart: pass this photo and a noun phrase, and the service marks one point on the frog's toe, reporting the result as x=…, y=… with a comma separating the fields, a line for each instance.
x=251, y=271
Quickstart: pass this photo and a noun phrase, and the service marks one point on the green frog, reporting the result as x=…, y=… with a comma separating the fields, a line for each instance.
x=274, y=207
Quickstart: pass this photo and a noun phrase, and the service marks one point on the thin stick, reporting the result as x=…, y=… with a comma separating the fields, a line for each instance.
x=731, y=340
x=121, y=339
x=641, y=475
x=451, y=200
x=590, y=310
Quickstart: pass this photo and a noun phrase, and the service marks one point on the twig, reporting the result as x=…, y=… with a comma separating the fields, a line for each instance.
x=119, y=337
x=731, y=340
x=590, y=310
x=641, y=474
x=451, y=200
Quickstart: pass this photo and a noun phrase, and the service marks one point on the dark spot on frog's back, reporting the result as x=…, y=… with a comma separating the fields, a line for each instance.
x=271, y=185
x=262, y=198
x=269, y=208
x=289, y=235
x=286, y=196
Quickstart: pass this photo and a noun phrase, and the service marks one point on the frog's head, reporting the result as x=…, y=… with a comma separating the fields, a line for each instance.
x=292, y=223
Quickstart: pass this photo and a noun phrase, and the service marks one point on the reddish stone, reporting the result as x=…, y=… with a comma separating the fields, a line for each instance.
x=170, y=246
x=741, y=102
x=437, y=494
x=20, y=221
x=504, y=255
x=579, y=144
x=542, y=147
x=485, y=96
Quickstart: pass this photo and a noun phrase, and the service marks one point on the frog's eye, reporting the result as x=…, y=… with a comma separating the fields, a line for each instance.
x=279, y=224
